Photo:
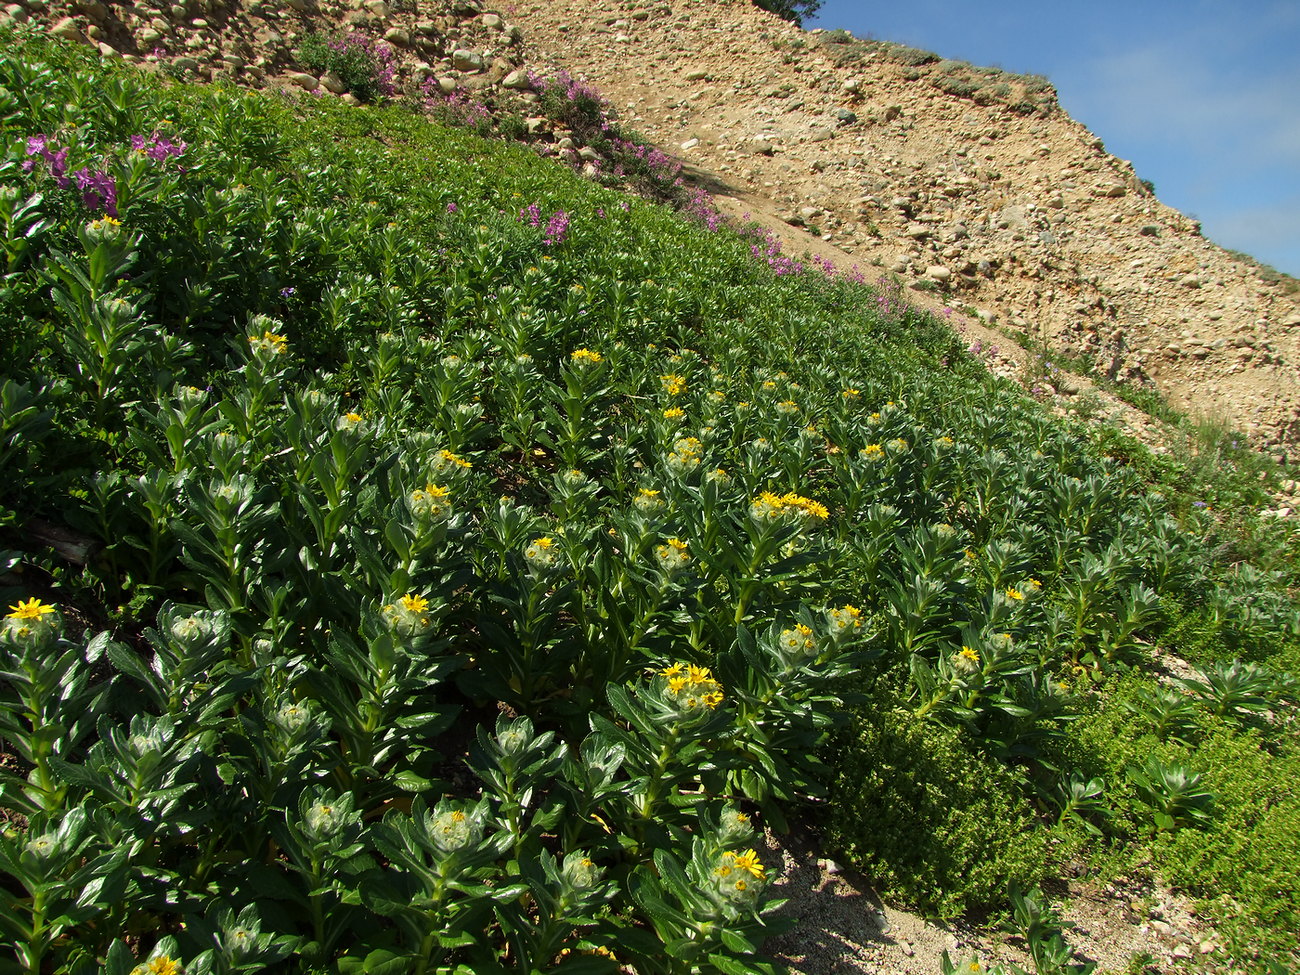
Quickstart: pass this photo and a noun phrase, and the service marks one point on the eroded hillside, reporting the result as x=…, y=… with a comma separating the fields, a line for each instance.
x=967, y=183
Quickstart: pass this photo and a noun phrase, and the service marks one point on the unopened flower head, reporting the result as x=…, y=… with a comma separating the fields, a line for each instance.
x=872, y=452
x=673, y=555
x=787, y=406
x=292, y=717
x=350, y=421
x=453, y=829
x=580, y=872
x=190, y=629
x=735, y=828
x=325, y=818
x=42, y=847
x=966, y=660
x=718, y=476
x=898, y=445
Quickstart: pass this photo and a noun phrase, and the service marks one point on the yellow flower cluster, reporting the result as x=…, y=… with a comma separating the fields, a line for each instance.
x=692, y=688
x=542, y=553
x=160, y=965
x=268, y=344
x=798, y=640
x=674, y=384
x=787, y=406
x=873, y=451
x=845, y=620
x=432, y=502
x=647, y=500
x=739, y=875
x=445, y=459
x=769, y=505
x=674, y=413
x=685, y=455
x=674, y=555
x=586, y=357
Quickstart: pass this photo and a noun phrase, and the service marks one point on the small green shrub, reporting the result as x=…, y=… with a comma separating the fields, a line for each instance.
x=933, y=821
x=362, y=65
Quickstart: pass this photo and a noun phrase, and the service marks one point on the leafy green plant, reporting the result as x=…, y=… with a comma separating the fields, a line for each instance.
x=1174, y=796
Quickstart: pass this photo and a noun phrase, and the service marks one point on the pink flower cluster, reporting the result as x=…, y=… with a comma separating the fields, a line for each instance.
x=98, y=188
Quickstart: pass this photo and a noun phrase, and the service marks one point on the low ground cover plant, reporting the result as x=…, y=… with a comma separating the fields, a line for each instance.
x=475, y=558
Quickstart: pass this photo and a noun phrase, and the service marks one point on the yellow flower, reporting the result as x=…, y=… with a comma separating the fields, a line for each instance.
x=31, y=609
x=851, y=393
x=712, y=699
x=969, y=654
x=163, y=965
x=674, y=413
x=447, y=457
x=413, y=603
x=672, y=671
x=1014, y=593
x=269, y=343
x=673, y=383
x=676, y=684
x=873, y=451
x=749, y=863
x=586, y=355
x=699, y=675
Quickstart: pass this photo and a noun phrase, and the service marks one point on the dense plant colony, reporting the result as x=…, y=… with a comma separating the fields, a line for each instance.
x=479, y=555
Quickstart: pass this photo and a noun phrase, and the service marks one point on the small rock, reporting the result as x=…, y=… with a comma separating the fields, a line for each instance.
x=696, y=74
x=16, y=13
x=536, y=125
x=448, y=86
x=491, y=21
x=67, y=29
x=588, y=153
x=516, y=80
x=690, y=143
x=333, y=83
x=300, y=6
x=379, y=8
x=186, y=65
x=937, y=272
x=463, y=60
x=906, y=948
x=821, y=134
x=397, y=37
x=304, y=81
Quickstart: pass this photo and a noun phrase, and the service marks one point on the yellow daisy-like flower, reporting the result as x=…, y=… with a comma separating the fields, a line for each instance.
x=586, y=355
x=851, y=393
x=674, y=384
x=749, y=863
x=676, y=684
x=674, y=413
x=163, y=965
x=672, y=671
x=969, y=654
x=699, y=675
x=1014, y=593
x=712, y=699
x=873, y=451
x=30, y=609
x=413, y=603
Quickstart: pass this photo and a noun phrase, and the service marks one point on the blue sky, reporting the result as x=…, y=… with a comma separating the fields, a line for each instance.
x=1203, y=96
